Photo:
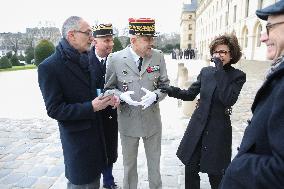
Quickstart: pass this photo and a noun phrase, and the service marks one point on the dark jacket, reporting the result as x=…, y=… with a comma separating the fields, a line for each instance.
x=259, y=163
x=67, y=94
x=210, y=123
x=109, y=115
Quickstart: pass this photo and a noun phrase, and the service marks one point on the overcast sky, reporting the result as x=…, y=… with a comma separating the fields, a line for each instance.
x=17, y=15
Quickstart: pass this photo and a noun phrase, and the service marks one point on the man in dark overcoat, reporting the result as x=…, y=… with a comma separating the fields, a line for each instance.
x=102, y=47
x=259, y=163
x=66, y=89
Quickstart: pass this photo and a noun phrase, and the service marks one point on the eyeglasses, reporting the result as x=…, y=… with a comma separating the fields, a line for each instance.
x=88, y=33
x=269, y=26
x=221, y=52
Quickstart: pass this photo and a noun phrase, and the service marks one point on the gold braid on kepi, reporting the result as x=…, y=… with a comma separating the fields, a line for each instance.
x=102, y=30
x=142, y=26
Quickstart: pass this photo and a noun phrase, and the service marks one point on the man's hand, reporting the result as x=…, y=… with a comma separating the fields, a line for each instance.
x=126, y=98
x=108, y=92
x=115, y=101
x=218, y=63
x=170, y=90
x=100, y=102
x=148, y=98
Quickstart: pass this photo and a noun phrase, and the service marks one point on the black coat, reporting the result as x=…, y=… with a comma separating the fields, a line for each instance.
x=109, y=115
x=210, y=123
x=67, y=95
x=259, y=163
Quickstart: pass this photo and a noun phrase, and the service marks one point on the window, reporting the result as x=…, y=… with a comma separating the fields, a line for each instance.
x=235, y=14
x=260, y=4
x=217, y=6
x=190, y=27
x=189, y=46
x=246, y=38
x=247, y=8
x=189, y=36
x=226, y=19
x=189, y=17
x=258, y=35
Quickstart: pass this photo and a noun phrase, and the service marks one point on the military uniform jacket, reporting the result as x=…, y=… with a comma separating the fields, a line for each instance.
x=210, y=123
x=122, y=74
x=259, y=163
x=109, y=115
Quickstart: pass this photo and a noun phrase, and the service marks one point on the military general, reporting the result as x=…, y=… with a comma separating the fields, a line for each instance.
x=134, y=73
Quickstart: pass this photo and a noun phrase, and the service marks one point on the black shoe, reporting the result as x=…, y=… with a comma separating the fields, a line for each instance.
x=112, y=186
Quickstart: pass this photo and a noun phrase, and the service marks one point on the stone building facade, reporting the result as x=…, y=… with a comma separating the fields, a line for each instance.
x=188, y=27
x=215, y=17
x=32, y=36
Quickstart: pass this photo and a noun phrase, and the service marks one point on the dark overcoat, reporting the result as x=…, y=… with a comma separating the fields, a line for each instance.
x=109, y=115
x=259, y=163
x=210, y=122
x=67, y=95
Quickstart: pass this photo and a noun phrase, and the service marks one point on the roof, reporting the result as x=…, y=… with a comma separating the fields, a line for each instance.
x=190, y=7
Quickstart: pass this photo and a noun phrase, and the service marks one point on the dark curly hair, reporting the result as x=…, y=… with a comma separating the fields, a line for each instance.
x=232, y=42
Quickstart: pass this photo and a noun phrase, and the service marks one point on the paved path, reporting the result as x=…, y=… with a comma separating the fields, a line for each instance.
x=30, y=149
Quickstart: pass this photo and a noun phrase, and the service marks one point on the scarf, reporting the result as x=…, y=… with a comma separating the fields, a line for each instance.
x=274, y=66
x=70, y=53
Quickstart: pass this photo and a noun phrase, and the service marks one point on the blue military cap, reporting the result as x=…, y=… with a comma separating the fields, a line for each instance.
x=275, y=9
x=102, y=30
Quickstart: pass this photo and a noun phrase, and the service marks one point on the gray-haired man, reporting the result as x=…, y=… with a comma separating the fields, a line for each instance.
x=259, y=163
x=64, y=81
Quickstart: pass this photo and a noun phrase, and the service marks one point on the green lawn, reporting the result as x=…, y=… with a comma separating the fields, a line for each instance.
x=14, y=68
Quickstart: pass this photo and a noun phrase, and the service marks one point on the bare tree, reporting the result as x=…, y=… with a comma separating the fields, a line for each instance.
x=29, y=38
x=12, y=41
x=163, y=39
x=116, y=31
x=125, y=31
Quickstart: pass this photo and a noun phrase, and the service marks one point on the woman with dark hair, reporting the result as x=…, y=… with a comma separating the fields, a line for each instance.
x=207, y=141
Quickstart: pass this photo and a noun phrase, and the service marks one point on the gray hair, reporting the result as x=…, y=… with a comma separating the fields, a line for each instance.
x=72, y=23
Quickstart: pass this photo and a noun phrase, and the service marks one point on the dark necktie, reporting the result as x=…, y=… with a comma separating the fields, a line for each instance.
x=102, y=62
x=140, y=63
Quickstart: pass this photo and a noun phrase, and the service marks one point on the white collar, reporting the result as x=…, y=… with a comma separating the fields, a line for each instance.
x=100, y=58
x=134, y=55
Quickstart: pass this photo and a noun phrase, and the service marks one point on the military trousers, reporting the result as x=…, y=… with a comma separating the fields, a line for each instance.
x=152, y=146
